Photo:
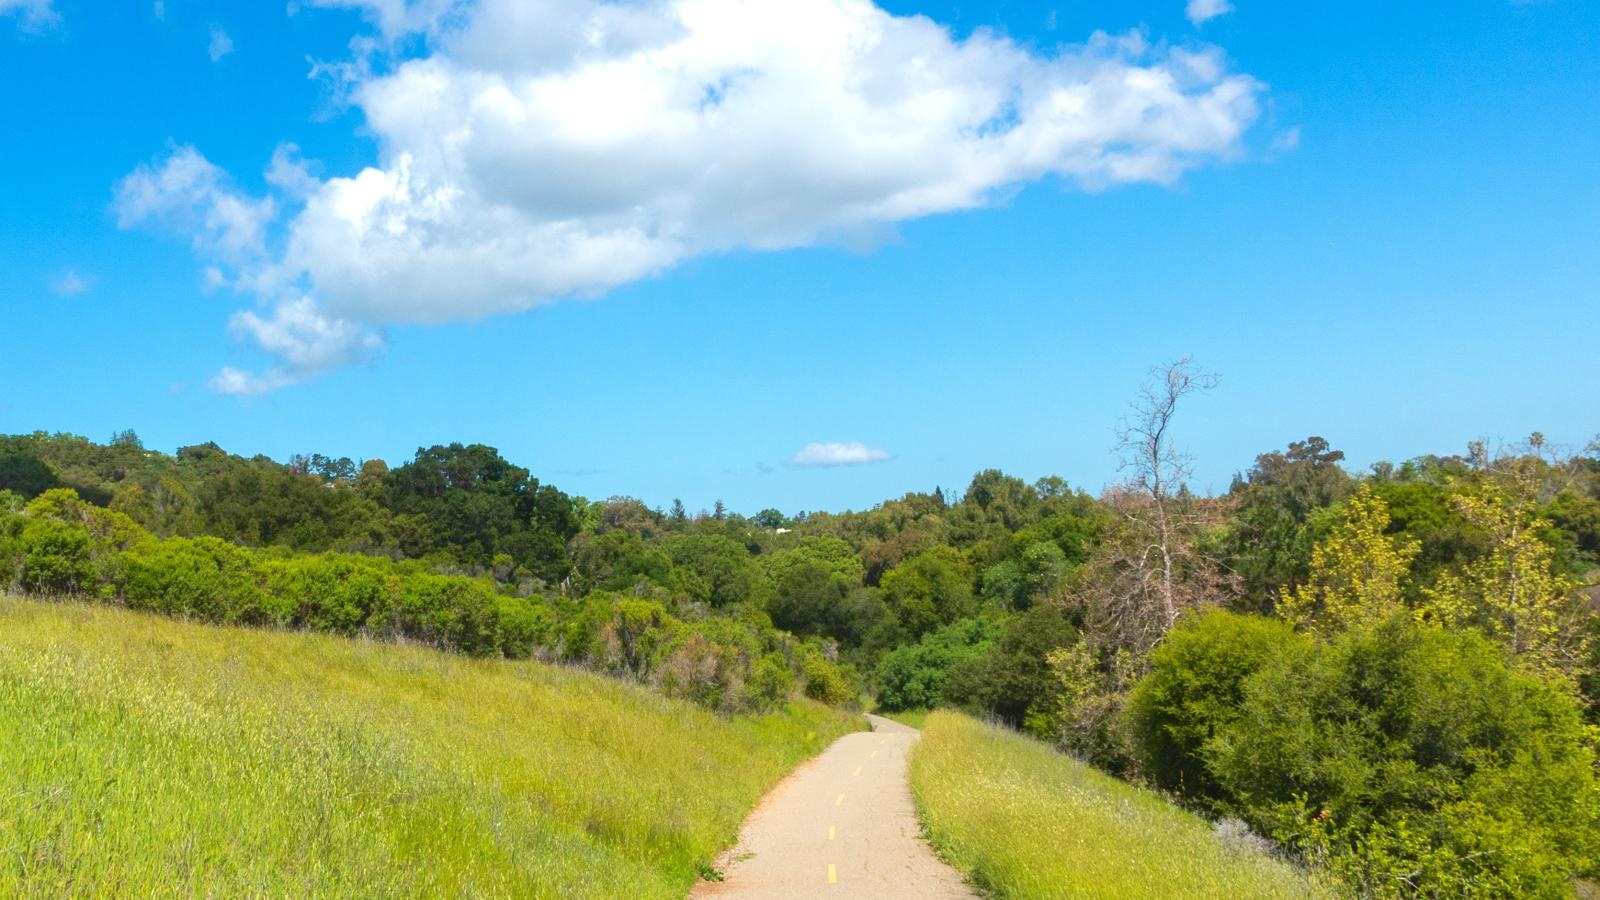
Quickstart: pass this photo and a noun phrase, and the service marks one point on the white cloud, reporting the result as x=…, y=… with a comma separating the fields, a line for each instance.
x=186, y=193
x=306, y=342
x=71, y=284
x=221, y=45
x=31, y=13
x=854, y=453
x=556, y=149
x=1287, y=139
x=396, y=18
x=1202, y=11
x=289, y=173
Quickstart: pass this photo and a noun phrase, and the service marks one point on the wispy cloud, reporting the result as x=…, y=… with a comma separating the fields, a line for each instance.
x=221, y=45
x=33, y=14
x=853, y=453
x=71, y=284
x=1202, y=11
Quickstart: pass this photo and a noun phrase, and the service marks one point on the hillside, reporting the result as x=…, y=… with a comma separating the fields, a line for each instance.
x=1022, y=820
x=140, y=755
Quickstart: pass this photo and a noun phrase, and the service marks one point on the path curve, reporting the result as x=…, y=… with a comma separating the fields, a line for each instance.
x=842, y=825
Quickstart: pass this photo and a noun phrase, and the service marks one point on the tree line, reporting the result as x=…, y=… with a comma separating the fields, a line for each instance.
x=1393, y=675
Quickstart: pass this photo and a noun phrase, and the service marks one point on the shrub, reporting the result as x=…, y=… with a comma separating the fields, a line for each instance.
x=523, y=625
x=1413, y=760
x=770, y=682
x=448, y=611
x=204, y=578
x=335, y=592
x=10, y=527
x=56, y=557
x=1193, y=690
x=1083, y=711
x=703, y=672
x=824, y=679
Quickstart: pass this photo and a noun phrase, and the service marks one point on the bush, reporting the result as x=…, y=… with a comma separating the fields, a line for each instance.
x=56, y=557
x=825, y=680
x=204, y=578
x=1194, y=690
x=523, y=625
x=1412, y=760
x=704, y=672
x=733, y=662
x=335, y=592
x=770, y=682
x=448, y=611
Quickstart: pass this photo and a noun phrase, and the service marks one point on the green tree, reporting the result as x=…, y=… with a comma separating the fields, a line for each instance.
x=913, y=676
x=721, y=570
x=1358, y=574
x=931, y=589
x=22, y=471
x=1271, y=537
x=1514, y=594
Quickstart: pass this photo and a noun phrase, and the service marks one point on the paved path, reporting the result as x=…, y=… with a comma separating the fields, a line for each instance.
x=841, y=826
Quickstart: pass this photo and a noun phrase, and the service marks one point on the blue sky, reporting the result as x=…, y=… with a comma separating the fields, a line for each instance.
x=1397, y=248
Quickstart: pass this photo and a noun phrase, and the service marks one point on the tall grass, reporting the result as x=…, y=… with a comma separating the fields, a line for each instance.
x=140, y=756
x=1022, y=820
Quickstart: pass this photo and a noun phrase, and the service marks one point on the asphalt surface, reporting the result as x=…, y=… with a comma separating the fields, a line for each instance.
x=842, y=825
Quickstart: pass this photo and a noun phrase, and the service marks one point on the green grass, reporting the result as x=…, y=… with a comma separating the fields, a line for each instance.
x=1022, y=820
x=912, y=718
x=142, y=756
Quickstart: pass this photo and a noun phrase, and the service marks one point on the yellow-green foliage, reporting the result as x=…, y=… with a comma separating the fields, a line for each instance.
x=1025, y=821
x=141, y=756
x=1357, y=574
x=1514, y=593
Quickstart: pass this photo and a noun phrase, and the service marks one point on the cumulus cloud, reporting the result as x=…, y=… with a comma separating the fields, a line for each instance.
x=71, y=284
x=854, y=453
x=31, y=13
x=221, y=45
x=1202, y=11
x=538, y=151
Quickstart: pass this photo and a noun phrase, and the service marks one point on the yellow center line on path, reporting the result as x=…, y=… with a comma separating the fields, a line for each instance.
x=833, y=874
x=872, y=754
x=830, y=832
x=857, y=772
x=840, y=801
x=884, y=741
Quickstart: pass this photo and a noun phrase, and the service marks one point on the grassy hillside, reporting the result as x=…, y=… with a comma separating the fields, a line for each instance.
x=141, y=756
x=1025, y=821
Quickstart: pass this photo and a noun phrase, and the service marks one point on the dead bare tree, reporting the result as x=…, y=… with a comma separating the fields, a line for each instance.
x=1160, y=514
